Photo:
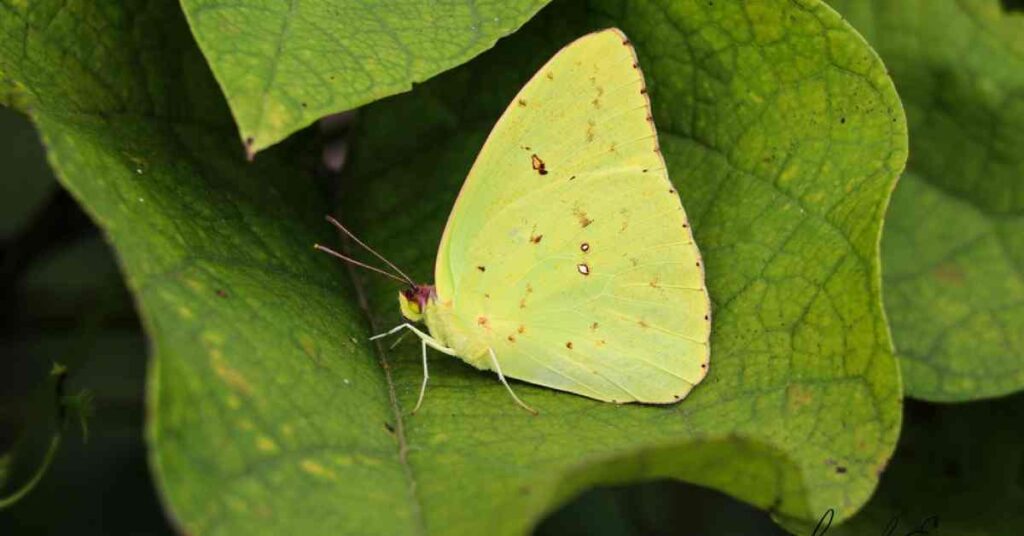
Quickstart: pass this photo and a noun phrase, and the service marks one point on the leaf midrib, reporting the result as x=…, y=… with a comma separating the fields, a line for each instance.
x=403, y=445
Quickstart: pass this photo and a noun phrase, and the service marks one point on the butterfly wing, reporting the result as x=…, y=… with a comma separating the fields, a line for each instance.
x=568, y=251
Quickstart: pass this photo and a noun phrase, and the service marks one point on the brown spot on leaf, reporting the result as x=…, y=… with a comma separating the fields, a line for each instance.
x=583, y=268
x=949, y=272
x=538, y=165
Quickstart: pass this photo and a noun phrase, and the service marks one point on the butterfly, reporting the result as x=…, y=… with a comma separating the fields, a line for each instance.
x=568, y=260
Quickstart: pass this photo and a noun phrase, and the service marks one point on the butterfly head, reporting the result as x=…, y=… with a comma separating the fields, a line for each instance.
x=413, y=301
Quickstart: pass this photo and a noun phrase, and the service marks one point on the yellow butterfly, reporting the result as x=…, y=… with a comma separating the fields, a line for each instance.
x=568, y=260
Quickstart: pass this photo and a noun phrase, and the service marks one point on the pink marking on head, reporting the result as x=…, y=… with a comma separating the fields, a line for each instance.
x=420, y=294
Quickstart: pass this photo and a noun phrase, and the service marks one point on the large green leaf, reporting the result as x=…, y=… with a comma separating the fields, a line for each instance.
x=269, y=413
x=266, y=408
x=283, y=65
x=957, y=466
x=784, y=136
x=954, y=239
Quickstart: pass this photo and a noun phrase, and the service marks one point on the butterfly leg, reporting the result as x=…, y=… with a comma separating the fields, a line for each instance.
x=430, y=341
x=426, y=376
x=425, y=340
x=497, y=368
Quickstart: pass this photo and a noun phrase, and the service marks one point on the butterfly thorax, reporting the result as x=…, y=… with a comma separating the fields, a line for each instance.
x=422, y=304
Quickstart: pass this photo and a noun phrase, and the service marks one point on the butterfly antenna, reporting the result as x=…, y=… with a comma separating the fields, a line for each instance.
x=331, y=252
x=348, y=233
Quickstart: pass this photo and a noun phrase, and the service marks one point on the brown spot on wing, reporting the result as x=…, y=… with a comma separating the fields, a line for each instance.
x=482, y=268
x=521, y=102
x=593, y=326
x=584, y=247
x=581, y=216
x=538, y=165
x=550, y=75
x=583, y=268
x=536, y=238
x=482, y=320
x=521, y=329
x=568, y=345
x=643, y=324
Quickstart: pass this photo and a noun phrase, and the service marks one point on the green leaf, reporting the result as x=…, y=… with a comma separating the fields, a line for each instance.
x=954, y=240
x=784, y=136
x=266, y=406
x=268, y=410
x=283, y=65
x=961, y=464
